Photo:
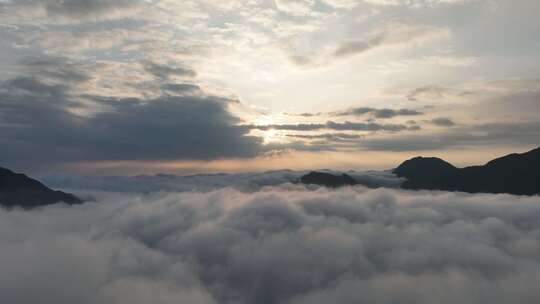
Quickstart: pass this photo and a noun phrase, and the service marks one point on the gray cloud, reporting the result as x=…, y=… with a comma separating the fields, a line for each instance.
x=329, y=136
x=378, y=113
x=290, y=127
x=295, y=7
x=54, y=68
x=356, y=126
x=518, y=135
x=494, y=134
x=41, y=120
x=331, y=125
x=430, y=91
x=382, y=113
x=280, y=245
x=245, y=182
x=182, y=89
x=358, y=46
x=163, y=128
x=87, y=9
x=443, y=122
x=165, y=71
x=306, y=114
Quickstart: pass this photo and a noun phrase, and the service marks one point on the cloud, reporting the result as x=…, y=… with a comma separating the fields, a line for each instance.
x=344, y=4
x=182, y=89
x=443, y=122
x=295, y=7
x=381, y=113
x=245, y=182
x=356, y=126
x=331, y=125
x=278, y=245
x=358, y=46
x=378, y=113
x=163, y=71
x=426, y=91
x=86, y=9
x=415, y=3
x=55, y=68
x=329, y=136
x=492, y=134
x=53, y=115
x=392, y=34
x=305, y=114
x=163, y=128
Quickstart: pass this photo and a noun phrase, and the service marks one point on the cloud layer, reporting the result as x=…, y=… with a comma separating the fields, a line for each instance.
x=246, y=182
x=60, y=111
x=276, y=245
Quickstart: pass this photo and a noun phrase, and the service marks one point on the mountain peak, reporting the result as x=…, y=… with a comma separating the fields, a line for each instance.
x=19, y=190
x=424, y=169
x=328, y=179
x=514, y=173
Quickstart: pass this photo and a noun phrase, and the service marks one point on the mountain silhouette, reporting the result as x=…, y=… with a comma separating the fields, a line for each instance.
x=19, y=190
x=327, y=179
x=514, y=174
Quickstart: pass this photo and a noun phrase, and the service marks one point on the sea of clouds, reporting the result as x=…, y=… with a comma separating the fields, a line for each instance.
x=274, y=244
x=246, y=182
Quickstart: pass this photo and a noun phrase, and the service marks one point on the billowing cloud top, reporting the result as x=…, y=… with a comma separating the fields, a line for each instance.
x=277, y=245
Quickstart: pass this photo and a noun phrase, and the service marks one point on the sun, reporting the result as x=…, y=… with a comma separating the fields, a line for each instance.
x=264, y=120
x=270, y=136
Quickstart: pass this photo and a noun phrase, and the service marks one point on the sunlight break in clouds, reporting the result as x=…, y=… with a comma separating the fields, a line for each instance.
x=277, y=245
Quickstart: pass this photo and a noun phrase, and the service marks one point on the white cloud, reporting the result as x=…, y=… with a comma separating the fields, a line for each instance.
x=415, y=3
x=276, y=245
x=342, y=3
x=295, y=7
x=247, y=182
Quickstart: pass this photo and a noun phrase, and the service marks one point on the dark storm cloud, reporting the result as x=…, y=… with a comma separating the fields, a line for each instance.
x=281, y=245
x=331, y=125
x=443, y=122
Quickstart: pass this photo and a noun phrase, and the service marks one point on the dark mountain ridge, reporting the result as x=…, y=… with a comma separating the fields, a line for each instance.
x=514, y=174
x=19, y=190
x=327, y=179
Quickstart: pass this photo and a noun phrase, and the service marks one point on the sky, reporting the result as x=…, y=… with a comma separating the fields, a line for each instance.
x=137, y=86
